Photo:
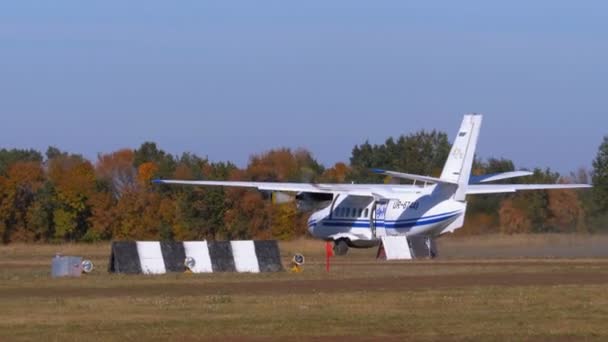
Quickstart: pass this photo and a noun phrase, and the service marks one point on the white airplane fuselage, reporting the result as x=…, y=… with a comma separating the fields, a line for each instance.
x=362, y=221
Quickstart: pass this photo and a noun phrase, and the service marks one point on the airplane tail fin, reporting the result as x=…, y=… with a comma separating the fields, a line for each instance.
x=457, y=168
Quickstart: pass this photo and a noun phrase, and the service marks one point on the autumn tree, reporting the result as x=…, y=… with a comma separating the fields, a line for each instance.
x=118, y=171
x=149, y=152
x=18, y=189
x=339, y=173
x=73, y=179
x=543, y=211
x=284, y=165
x=128, y=205
x=567, y=213
x=10, y=157
x=483, y=210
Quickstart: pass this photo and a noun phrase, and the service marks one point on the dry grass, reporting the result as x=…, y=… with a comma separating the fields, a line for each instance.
x=109, y=307
x=525, y=246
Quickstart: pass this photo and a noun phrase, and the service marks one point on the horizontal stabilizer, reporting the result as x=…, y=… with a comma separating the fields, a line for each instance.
x=410, y=176
x=498, y=176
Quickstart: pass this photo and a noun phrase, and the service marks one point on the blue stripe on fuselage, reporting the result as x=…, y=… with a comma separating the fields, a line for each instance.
x=351, y=220
x=405, y=223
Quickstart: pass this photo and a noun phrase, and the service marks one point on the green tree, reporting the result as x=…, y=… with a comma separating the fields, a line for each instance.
x=40, y=218
x=599, y=194
x=10, y=157
x=149, y=152
x=421, y=153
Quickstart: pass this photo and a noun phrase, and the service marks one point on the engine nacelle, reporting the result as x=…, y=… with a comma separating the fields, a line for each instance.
x=308, y=201
x=282, y=197
x=305, y=201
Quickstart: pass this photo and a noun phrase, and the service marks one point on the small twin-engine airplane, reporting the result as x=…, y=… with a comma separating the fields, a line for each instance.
x=358, y=215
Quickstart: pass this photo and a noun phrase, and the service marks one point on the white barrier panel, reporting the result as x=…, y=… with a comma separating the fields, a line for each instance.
x=245, y=259
x=396, y=248
x=198, y=251
x=151, y=257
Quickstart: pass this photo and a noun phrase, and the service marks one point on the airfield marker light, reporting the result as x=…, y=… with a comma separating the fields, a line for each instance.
x=190, y=263
x=87, y=266
x=296, y=263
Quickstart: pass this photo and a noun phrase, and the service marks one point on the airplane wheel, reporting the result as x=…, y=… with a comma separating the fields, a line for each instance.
x=340, y=247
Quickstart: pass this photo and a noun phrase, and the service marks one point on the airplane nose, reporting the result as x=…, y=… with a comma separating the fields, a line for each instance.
x=311, y=226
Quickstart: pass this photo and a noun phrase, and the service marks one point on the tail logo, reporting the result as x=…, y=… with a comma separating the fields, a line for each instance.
x=457, y=153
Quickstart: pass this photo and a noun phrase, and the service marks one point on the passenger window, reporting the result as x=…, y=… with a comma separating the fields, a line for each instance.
x=360, y=212
x=354, y=212
x=366, y=212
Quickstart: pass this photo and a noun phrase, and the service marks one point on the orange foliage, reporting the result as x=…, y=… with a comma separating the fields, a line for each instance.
x=567, y=213
x=17, y=191
x=337, y=173
x=103, y=220
x=280, y=165
x=183, y=172
x=117, y=168
x=513, y=219
x=478, y=224
x=146, y=172
x=26, y=174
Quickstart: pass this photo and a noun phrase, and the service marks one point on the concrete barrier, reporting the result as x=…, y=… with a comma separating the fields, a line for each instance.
x=159, y=257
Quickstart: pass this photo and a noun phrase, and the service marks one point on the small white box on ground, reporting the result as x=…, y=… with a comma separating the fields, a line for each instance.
x=66, y=266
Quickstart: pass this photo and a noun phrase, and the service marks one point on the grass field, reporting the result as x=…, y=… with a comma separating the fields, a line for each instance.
x=547, y=288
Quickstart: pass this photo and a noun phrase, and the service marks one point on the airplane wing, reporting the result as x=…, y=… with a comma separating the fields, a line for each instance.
x=384, y=191
x=412, y=176
x=476, y=189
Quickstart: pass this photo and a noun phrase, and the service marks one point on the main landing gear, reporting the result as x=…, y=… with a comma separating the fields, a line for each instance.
x=340, y=247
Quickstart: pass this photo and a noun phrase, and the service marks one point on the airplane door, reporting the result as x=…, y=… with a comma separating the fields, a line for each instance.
x=378, y=216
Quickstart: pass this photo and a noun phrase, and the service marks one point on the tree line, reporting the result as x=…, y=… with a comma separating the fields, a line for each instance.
x=58, y=196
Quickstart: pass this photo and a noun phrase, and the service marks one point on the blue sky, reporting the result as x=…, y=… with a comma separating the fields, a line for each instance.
x=226, y=79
